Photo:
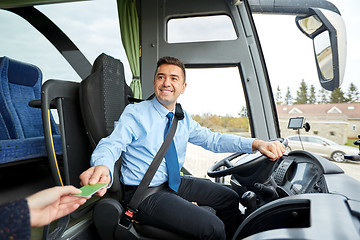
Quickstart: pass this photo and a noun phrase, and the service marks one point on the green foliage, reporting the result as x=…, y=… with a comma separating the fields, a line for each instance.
x=337, y=96
x=312, y=95
x=302, y=94
x=278, y=97
x=223, y=123
x=350, y=142
x=305, y=95
x=288, y=98
x=243, y=112
x=352, y=94
x=323, y=96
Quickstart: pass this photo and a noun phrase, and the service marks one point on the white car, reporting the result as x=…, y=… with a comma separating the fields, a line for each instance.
x=321, y=146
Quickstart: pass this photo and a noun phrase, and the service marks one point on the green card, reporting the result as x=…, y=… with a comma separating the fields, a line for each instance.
x=88, y=190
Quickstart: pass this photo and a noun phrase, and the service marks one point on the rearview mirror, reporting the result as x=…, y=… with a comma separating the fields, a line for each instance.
x=327, y=30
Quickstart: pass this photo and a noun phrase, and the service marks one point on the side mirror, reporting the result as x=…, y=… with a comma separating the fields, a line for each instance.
x=327, y=30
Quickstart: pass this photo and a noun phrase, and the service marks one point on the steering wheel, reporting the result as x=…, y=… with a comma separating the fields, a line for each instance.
x=248, y=169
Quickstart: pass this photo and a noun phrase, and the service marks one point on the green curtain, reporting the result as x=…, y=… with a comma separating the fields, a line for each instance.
x=129, y=27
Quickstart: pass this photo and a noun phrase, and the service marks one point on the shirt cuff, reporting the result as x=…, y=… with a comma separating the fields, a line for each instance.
x=246, y=145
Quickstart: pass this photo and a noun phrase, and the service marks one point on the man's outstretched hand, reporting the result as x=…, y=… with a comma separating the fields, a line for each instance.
x=96, y=174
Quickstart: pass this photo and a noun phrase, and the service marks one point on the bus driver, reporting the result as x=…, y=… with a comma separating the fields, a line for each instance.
x=137, y=138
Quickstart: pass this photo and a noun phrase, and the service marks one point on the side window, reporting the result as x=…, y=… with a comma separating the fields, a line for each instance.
x=196, y=29
x=315, y=140
x=221, y=108
x=296, y=138
x=310, y=139
x=22, y=42
x=92, y=25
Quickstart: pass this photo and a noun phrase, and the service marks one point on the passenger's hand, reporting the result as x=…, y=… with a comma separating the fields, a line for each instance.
x=96, y=174
x=53, y=203
x=273, y=150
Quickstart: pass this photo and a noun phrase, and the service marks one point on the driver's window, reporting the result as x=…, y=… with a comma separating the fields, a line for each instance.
x=215, y=98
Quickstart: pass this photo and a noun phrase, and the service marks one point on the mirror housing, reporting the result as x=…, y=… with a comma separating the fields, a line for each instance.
x=327, y=30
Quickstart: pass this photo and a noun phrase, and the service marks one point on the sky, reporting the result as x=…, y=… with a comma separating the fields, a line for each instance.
x=100, y=33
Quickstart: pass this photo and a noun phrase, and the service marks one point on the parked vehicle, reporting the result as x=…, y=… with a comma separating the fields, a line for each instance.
x=321, y=146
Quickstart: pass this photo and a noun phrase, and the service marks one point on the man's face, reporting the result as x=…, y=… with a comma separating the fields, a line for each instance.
x=169, y=83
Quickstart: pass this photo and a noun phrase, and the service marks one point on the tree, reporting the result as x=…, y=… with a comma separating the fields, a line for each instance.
x=312, y=95
x=288, y=98
x=302, y=94
x=323, y=96
x=352, y=93
x=337, y=96
x=278, y=97
x=243, y=112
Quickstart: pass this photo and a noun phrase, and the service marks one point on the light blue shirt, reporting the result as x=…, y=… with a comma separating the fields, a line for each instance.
x=139, y=134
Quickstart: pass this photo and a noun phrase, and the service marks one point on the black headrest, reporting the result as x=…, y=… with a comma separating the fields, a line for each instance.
x=103, y=97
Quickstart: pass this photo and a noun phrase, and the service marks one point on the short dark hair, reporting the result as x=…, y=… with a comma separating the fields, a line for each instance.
x=172, y=61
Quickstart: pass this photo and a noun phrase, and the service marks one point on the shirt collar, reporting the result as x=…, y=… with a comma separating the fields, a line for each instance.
x=163, y=111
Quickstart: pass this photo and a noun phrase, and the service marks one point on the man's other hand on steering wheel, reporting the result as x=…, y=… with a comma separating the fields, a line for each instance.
x=273, y=149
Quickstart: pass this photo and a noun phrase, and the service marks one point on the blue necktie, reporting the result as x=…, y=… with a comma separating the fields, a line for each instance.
x=171, y=158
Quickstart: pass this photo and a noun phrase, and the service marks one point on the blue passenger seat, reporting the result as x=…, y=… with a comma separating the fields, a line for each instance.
x=21, y=136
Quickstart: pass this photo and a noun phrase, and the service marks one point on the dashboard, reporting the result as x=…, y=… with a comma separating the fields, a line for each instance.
x=313, y=194
x=299, y=174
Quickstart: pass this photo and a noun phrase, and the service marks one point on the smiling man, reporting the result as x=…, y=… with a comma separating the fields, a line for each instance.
x=169, y=83
x=137, y=138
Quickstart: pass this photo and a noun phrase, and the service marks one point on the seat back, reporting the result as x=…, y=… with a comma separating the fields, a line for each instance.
x=87, y=113
x=7, y=109
x=103, y=97
x=21, y=125
x=21, y=83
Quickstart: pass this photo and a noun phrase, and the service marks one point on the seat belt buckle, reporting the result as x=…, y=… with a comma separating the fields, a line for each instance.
x=127, y=218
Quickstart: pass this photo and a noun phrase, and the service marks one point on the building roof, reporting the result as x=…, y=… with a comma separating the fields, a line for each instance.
x=350, y=110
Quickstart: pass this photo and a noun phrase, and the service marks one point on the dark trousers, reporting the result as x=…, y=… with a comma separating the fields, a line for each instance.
x=178, y=213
